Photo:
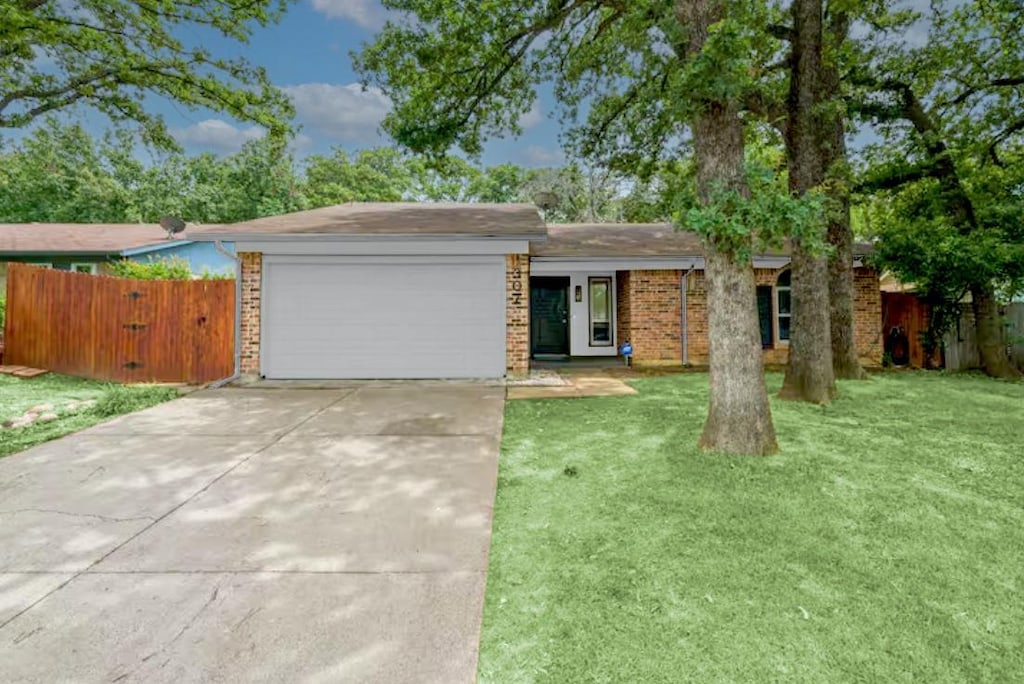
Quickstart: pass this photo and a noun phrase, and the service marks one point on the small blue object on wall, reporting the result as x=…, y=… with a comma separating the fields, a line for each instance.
x=626, y=349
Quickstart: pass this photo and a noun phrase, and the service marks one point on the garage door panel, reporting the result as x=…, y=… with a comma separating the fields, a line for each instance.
x=415, y=319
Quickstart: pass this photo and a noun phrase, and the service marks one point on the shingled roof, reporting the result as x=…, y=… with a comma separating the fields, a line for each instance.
x=392, y=218
x=603, y=240
x=78, y=238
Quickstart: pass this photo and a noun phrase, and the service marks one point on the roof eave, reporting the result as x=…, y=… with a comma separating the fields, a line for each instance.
x=53, y=253
x=359, y=237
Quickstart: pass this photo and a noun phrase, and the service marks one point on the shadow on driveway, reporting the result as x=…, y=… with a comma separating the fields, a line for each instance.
x=255, y=534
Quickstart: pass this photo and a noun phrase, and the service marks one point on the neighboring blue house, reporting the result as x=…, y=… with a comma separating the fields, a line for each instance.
x=90, y=248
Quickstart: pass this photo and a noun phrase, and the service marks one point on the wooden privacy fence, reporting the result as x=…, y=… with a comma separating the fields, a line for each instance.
x=118, y=329
x=962, y=344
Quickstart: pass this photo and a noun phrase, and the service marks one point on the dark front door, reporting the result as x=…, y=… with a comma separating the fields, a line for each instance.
x=549, y=315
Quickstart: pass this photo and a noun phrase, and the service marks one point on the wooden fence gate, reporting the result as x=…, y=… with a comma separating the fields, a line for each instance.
x=119, y=329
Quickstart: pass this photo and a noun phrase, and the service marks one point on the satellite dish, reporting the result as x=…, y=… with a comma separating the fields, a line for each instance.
x=546, y=200
x=173, y=225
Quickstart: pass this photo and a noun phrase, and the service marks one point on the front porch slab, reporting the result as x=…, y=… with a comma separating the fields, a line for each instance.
x=577, y=385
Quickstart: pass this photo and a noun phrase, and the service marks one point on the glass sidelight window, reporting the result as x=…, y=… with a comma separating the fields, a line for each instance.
x=784, y=304
x=600, y=312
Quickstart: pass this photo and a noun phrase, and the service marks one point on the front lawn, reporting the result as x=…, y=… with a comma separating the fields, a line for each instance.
x=884, y=544
x=64, y=396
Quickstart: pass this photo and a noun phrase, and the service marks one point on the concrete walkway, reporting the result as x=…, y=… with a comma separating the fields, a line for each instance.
x=574, y=385
x=242, y=535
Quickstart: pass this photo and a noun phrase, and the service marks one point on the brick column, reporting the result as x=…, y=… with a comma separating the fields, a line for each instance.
x=517, y=315
x=252, y=280
x=867, y=316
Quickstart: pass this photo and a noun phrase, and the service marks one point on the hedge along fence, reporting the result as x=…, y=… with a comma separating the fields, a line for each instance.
x=120, y=329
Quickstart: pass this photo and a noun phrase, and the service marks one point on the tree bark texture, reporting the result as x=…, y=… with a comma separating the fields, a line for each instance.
x=991, y=336
x=809, y=373
x=739, y=415
x=845, y=361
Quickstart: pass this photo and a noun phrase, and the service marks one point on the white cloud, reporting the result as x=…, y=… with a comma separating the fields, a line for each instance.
x=532, y=117
x=365, y=13
x=216, y=134
x=543, y=156
x=345, y=113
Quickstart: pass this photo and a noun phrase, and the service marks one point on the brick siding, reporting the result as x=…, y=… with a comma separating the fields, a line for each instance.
x=649, y=303
x=653, y=322
x=867, y=316
x=252, y=281
x=517, y=315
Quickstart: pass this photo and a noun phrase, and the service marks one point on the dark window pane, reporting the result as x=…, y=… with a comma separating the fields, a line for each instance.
x=784, y=302
x=764, y=314
x=784, y=328
x=785, y=278
x=602, y=332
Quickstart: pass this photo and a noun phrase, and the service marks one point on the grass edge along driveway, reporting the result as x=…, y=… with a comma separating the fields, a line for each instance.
x=17, y=395
x=885, y=542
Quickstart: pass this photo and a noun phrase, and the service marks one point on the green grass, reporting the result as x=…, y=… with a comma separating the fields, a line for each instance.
x=17, y=395
x=884, y=544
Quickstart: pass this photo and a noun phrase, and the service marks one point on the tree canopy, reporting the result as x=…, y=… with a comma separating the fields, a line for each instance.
x=111, y=54
x=59, y=173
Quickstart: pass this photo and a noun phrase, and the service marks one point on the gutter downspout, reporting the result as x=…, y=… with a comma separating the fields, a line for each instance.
x=219, y=246
x=684, y=280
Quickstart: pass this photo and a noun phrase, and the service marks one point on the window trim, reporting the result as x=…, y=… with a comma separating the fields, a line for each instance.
x=610, y=311
x=779, y=315
x=91, y=265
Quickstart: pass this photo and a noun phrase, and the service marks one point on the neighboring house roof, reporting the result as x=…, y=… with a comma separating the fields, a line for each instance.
x=97, y=239
x=392, y=218
x=601, y=240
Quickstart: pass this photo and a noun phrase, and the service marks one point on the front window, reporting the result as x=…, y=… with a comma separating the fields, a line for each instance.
x=600, y=312
x=784, y=304
x=84, y=268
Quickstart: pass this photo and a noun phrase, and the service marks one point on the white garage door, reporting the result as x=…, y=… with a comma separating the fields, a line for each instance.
x=383, y=317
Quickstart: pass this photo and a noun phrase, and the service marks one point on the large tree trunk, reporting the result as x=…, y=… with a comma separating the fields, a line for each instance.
x=845, y=361
x=991, y=337
x=809, y=374
x=738, y=413
x=739, y=416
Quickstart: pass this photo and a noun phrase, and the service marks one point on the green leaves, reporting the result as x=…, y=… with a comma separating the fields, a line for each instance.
x=111, y=54
x=60, y=174
x=768, y=213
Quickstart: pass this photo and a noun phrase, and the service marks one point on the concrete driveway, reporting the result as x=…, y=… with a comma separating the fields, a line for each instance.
x=300, y=535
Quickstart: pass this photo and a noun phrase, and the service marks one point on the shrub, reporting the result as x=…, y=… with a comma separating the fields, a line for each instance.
x=3, y=314
x=120, y=399
x=163, y=268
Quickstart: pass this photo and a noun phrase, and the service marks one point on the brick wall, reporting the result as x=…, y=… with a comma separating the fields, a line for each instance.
x=697, y=318
x=867, y=316
x=653, y=325
x=649, y=304
x=252, y=279
x=517, y=315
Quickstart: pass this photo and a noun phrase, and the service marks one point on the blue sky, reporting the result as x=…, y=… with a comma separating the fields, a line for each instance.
x=307, y=55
